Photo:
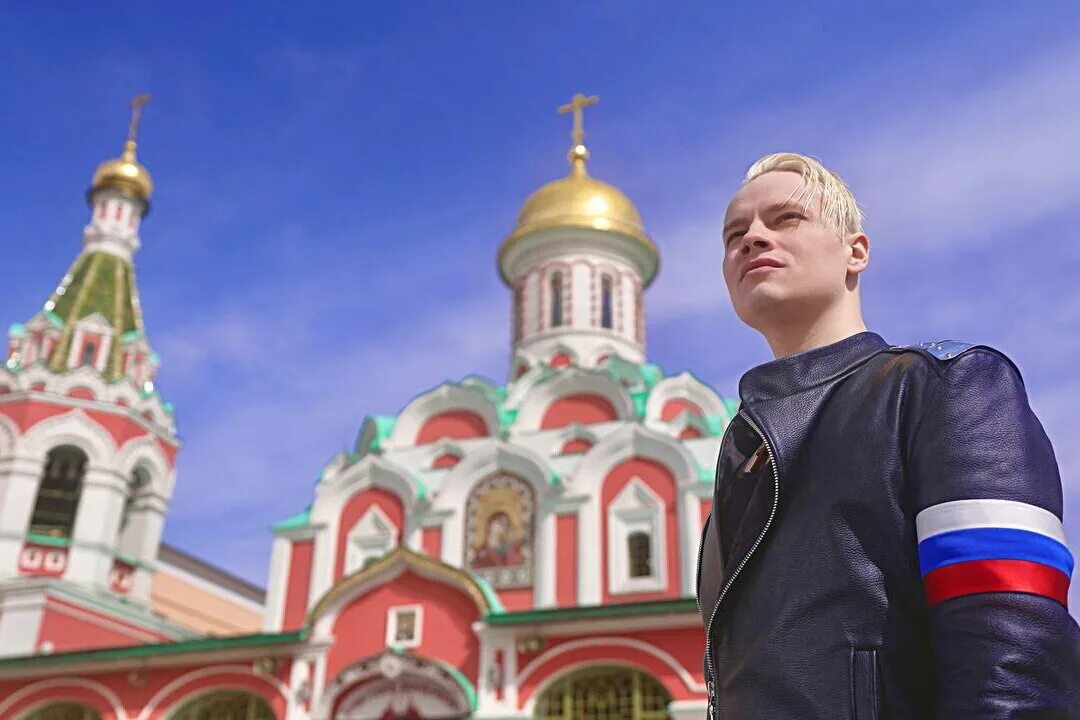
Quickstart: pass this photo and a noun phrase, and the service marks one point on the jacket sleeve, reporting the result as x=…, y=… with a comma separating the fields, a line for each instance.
x=992, y=552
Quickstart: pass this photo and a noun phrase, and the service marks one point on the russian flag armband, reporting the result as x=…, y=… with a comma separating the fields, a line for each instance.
x=981, y=546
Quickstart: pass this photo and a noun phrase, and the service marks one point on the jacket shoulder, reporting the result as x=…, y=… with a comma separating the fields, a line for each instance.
x=942, y=353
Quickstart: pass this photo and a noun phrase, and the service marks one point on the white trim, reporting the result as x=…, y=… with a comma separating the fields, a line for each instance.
x=106, y=693
x=392, y=623
x=374, y=531
x=277, y=580
x=664, y=657
x=970, y=514
x=179, y=682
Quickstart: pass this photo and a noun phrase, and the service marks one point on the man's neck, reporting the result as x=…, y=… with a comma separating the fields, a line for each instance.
x=824, y=330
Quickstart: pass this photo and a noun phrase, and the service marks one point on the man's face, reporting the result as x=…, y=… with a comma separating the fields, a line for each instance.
x=768, y=221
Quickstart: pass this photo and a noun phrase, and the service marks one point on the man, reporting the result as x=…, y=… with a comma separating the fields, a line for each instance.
x=886, y=537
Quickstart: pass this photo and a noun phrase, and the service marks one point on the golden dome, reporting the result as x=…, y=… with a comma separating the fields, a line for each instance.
x=579, y=201
x=124, y=174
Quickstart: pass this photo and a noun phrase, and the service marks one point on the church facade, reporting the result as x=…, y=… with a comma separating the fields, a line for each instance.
x=518, y=550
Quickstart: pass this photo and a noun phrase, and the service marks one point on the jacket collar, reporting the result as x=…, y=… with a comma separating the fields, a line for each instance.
x=794, y=373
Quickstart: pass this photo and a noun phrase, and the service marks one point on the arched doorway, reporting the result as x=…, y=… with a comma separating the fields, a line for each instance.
x=63, y=711
x=605, y=692
x=394, y=686
x=224, y=705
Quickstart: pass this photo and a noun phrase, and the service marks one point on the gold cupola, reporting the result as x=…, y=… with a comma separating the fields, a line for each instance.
x=125, y=174
x=579, y=200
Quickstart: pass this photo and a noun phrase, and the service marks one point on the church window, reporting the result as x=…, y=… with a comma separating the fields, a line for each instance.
x=605, y=302
x=404, y=625
x=639, y=549
x=556, y=300
x=601, y=692
x=58, y=493
x=88, y=353
x=371, y=538
x=63, y=711
x=635, y=520
x=225, y=705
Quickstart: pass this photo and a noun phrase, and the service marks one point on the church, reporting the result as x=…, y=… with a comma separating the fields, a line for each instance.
x=516, y=549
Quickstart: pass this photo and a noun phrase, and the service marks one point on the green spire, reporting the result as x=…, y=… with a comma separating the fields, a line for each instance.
x=97, y=283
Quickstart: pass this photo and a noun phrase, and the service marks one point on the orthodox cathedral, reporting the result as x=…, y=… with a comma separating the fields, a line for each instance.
x=526, y=549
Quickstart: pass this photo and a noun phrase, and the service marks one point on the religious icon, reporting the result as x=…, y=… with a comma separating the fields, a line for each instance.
x=406, y=626
x=499, y=520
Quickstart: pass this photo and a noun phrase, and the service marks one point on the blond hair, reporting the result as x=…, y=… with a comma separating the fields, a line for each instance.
x=838, y=207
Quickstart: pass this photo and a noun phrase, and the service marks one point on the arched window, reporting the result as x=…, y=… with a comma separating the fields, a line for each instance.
x=600, y=693
x=88, y=353
x=556, y=299
x=58, y=493
x=639, y=548
x=225, y=705
x=605, y=302
x=63, y=711
x=139, y=480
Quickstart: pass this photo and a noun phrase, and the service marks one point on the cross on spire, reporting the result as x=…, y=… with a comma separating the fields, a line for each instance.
x=136, y=114
x=576, y=105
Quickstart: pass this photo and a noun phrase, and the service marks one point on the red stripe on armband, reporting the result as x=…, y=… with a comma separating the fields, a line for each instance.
x=981, y=576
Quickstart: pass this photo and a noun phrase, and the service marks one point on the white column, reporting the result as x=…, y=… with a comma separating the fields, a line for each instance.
x=276, y=582
x=21, y=611
x=544, y=582
x=19, y=478
x=689, y=513
x=97, y=520
x=145, y=527
x=588, y=543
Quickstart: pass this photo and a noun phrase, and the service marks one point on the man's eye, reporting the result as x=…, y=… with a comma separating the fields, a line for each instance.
x=789, y=216
x=732, y=236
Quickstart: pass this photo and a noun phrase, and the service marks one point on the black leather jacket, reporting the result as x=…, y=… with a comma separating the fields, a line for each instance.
x=820, y=611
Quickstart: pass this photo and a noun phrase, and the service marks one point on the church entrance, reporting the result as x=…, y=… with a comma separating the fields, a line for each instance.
x=604, y=693
x=400, y=687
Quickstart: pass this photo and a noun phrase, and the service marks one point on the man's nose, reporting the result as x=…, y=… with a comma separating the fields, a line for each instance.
x=756, y=234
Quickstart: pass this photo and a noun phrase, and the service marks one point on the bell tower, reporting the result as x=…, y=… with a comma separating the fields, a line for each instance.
x=87, y=444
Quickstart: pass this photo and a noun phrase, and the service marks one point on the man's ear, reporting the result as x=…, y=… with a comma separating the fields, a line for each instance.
x=858, y=252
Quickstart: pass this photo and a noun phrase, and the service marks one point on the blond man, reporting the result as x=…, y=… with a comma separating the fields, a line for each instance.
x=886, y=536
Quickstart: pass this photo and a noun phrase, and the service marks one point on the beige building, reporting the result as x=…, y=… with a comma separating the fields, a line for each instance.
x=204, y=598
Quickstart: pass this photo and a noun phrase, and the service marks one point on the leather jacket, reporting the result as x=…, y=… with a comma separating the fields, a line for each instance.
x=828, y=605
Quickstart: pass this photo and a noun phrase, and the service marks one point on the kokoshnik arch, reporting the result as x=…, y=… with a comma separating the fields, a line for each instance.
x=516, y=550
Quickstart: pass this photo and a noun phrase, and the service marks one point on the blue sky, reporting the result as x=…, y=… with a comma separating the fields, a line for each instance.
x=332, y=187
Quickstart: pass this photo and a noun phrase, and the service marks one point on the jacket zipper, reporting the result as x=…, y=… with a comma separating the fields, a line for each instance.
x=735, y=573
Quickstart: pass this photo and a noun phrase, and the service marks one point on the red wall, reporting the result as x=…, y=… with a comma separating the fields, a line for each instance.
x=661, y=482
x=674, y=407
x=582, y=409
x=355, y=508
x=452, y=424
x=445, y=629
x=296, y=594
x=431, y=541
x=566, y=562
x=70, y=627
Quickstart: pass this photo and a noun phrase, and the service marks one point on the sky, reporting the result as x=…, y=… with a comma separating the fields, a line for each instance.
x=332, y=185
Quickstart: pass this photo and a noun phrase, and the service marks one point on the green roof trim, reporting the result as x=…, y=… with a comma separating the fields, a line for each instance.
x=706, y=474
x=39, y=539
x=489, y=594
x=651, y=373
x=459, y=677
x=17, y=330
x=587, y=612
x=732, y=405
x=384, y=425
x=53, y=318
x=507, y=417
x=132, y=652
x=641, y=399
x=299, y=520
x=132, y=335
